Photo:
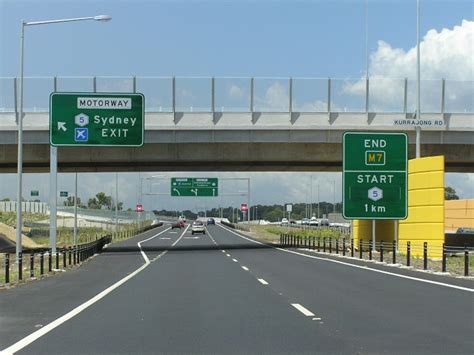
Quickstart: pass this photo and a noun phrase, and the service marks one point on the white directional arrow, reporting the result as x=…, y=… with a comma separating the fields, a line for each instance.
x=177, y=191
x=194, y=191
x=62, y=126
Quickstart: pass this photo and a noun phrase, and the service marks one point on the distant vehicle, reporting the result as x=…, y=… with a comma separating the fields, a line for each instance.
x=182, y=218
x=211, y=221
x=465, y=230
x=198, y=227
x=305, y=221
x=178, y=224
x=292, y=221
x=313, y=221
x=284, y=221
x=324, y=222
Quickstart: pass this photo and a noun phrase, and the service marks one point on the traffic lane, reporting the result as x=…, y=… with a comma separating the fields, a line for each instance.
x=191, y=301
x=379, y=312
x=28, y=307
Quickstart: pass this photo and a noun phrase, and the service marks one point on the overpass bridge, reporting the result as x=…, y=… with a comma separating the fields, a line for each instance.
x=246, y=124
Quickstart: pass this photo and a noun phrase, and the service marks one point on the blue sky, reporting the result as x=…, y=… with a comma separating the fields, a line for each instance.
x=217, y=38
x=233, y=38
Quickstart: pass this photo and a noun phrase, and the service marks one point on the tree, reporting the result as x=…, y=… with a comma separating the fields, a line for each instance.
x=70, y=201
x=450, y=193
x=93, y=204
x=6, y=199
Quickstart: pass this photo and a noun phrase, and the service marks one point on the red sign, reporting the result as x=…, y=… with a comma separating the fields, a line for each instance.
x=139, y=208
x=244, y=207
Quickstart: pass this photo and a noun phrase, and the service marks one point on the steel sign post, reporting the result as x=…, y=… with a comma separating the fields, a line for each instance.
x=375, y=175
x=91, y=119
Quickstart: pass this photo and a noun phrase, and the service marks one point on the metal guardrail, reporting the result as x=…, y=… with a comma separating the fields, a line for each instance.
x=387, y=252
x=259, y=94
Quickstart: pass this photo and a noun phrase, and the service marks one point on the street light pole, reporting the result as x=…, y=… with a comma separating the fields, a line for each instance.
x=19, y=216
x=418, y=103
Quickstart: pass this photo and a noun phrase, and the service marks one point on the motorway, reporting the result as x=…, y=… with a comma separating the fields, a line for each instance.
x=167, y=291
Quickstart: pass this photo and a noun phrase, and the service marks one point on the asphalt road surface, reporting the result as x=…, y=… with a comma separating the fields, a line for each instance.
x=167, y=291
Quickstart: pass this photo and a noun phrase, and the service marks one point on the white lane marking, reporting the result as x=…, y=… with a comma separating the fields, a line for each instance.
x=164, y=238
x=357, y=266
x=147, y=261
x=234, y=260
x=56, y=323
x=245, y=268
x=316, y=318
x=191, y=237
x=262, y=281
x=227, y=254
x=303, y=310
x=223, y=251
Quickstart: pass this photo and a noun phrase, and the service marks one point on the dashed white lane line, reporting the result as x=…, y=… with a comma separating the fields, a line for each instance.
x=234, y=260
x=223, y=250
x=56, y=323
x=262, y=281
x=163, y=238
x=360, y=267
x=245, y=268
x=227, y=254
x=303, y=310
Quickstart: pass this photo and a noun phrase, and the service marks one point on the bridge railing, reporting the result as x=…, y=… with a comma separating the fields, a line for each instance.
x=259, y=94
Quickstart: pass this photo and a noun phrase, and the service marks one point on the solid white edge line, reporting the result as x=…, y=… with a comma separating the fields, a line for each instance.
x=54, y=324
x=356, y=266
x=262, y=281
x=245, y=268
x=303, y=310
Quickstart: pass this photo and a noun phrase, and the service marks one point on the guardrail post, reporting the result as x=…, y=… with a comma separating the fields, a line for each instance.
x=330, y=245
x=20, y=266
x=7, y=268
x=337, y=245
x=32, y=265
x=466, y=261
x=443, y=267
x=314, y=243
x=324, y=244
x=343, y=246
x=42, y=263
x=64, y=257
x=408, y=253
x=50, y=261
x=394, y=252
x=319, y=244
x=381, y=251
x=57, y=260
x=370, y=249
x=69, y=251
x=360, y=248
x=352, y=247
x=425, y=256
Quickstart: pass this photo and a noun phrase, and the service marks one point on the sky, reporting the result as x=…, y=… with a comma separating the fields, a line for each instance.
x=240, y=38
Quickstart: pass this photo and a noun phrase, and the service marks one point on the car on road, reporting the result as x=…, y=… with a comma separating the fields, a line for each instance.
x=182, y=218
x=211, y=221
x=313, y=221
x=305, y=222
x=324, y=222
x=198, y=227
x=284, y=222
x=179, y=224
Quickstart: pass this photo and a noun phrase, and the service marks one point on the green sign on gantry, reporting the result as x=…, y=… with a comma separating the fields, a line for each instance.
x=194, y=187
x=375, y=175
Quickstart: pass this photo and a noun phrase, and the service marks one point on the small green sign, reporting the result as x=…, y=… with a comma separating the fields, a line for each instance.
x=35, y=193
x=63, y=194
x=91, y=119
x=194, y=187
x=375, y=175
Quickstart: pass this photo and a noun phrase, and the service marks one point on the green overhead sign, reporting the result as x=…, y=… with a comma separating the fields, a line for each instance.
x=35, y=193
x=194, y=187
x=91, y=119
x=63, y=194
x=375, y=175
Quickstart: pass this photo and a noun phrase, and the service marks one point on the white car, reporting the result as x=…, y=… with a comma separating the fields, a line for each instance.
x=284, y=222
x=198, y=227
x=313, y=221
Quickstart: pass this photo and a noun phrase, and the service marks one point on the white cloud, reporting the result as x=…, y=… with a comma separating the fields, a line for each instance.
x=275, y=98
x=235, y=92
x=447, y=54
